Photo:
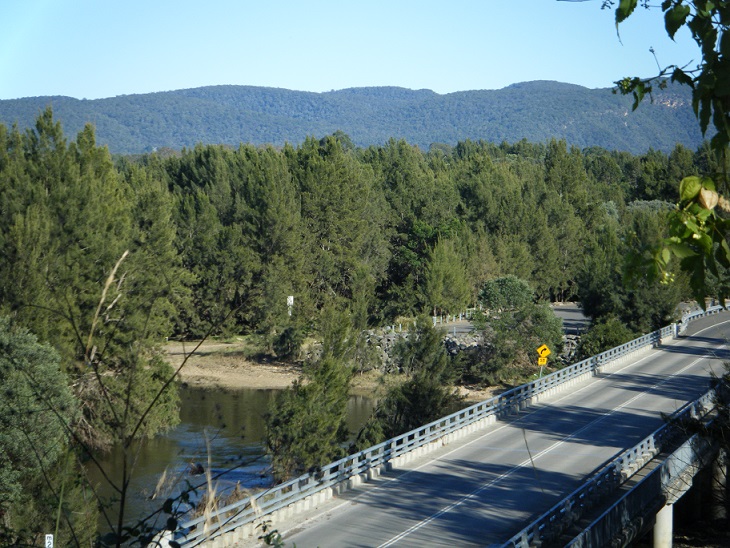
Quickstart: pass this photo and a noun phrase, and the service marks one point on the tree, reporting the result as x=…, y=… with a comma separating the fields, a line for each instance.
x=446, y=284
x=343, y=219
x=103, y=287
x=699, y=226
x=516, y=327
x=210, y=242
x=37, y=410
x=270, y=216
x=505, y=293
x=306, y=424
x=608, y=333
x=509, y=356
x=422, y=208
x=424, y=396
x=479, y=258
x=653, y=182
x=604, y=286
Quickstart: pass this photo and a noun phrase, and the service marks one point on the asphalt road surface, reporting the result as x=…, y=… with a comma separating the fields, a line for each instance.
x=484, y=489
x=574, y=322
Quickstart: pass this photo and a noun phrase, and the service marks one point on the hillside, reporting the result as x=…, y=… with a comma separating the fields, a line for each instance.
x=535, y=111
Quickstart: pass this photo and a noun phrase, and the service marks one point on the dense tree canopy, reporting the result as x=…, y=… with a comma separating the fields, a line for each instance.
x=102, y=258
x=221, y=236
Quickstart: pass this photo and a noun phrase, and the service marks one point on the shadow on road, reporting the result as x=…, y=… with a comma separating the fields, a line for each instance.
x=470, y=504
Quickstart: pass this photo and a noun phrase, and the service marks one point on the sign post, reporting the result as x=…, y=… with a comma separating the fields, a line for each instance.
x=542, y=352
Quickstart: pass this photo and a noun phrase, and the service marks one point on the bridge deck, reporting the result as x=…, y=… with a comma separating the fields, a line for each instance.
x=484, y=488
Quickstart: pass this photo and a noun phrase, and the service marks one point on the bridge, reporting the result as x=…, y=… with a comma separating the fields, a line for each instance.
x=488, y=475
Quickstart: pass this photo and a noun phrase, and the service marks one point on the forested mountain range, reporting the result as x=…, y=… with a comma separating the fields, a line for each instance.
x=230, y=115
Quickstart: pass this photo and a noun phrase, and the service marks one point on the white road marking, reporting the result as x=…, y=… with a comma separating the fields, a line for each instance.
x=506, y=474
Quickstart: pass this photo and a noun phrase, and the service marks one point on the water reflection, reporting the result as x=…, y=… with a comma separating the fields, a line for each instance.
x=224, y=426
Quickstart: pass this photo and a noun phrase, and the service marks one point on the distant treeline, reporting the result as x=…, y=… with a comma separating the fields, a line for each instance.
x=537, y=111
x=215, y=236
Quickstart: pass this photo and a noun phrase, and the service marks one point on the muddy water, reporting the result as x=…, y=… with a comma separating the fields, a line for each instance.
x=224, y=426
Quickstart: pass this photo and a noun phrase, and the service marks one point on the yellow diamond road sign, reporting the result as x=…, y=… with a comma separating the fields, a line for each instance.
x=543, y=351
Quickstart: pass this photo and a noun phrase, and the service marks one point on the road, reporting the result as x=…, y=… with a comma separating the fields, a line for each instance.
x=574, y=322
x=483, y=490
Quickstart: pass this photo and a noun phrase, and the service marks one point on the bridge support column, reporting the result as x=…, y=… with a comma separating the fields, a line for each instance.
x=663, y=528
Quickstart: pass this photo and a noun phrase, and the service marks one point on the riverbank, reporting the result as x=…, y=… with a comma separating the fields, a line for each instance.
x=229, y=366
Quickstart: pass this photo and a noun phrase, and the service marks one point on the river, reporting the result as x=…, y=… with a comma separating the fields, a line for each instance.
x=232, y=423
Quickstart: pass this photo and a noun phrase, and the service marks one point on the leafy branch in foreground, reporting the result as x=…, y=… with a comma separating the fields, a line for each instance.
x=698, y=233
x=698, y=227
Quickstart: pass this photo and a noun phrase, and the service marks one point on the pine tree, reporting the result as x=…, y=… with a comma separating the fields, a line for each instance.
x=270, y=214
x=37, y=412
x=446, y=284
x=306, y=425
x=426, y=395
x=343, y=218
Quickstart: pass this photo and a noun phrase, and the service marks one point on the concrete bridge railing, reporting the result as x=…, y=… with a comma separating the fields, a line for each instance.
x=237, y=521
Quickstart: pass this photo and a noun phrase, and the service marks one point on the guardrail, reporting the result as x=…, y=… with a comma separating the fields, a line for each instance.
x=549, y=526
x=349, y=470
x=622, y=522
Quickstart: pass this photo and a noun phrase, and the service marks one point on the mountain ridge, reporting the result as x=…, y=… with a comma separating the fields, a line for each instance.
x=232, y=114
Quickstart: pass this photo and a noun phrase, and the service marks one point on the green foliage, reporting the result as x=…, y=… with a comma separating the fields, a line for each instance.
x=698, y=238
x=505, y=293
x=708, y=23
x=124, y=399
x=698, y=234
x=607, y=286
x=101, y=281
x=446, y=284
x=512, y=338
x=426, y=395
x=608, y=333
x=224, y=236
x=288, y=342
x=306, y=427
x=33, y=436
x=343, y=219
x=37, y=411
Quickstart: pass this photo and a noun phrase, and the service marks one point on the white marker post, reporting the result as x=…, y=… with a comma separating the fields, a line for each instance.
x=290, y=303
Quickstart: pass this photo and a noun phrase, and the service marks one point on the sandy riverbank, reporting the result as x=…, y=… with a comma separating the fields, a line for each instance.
x=227, y=366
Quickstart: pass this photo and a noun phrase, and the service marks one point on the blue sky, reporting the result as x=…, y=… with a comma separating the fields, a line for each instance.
x=93, y=48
